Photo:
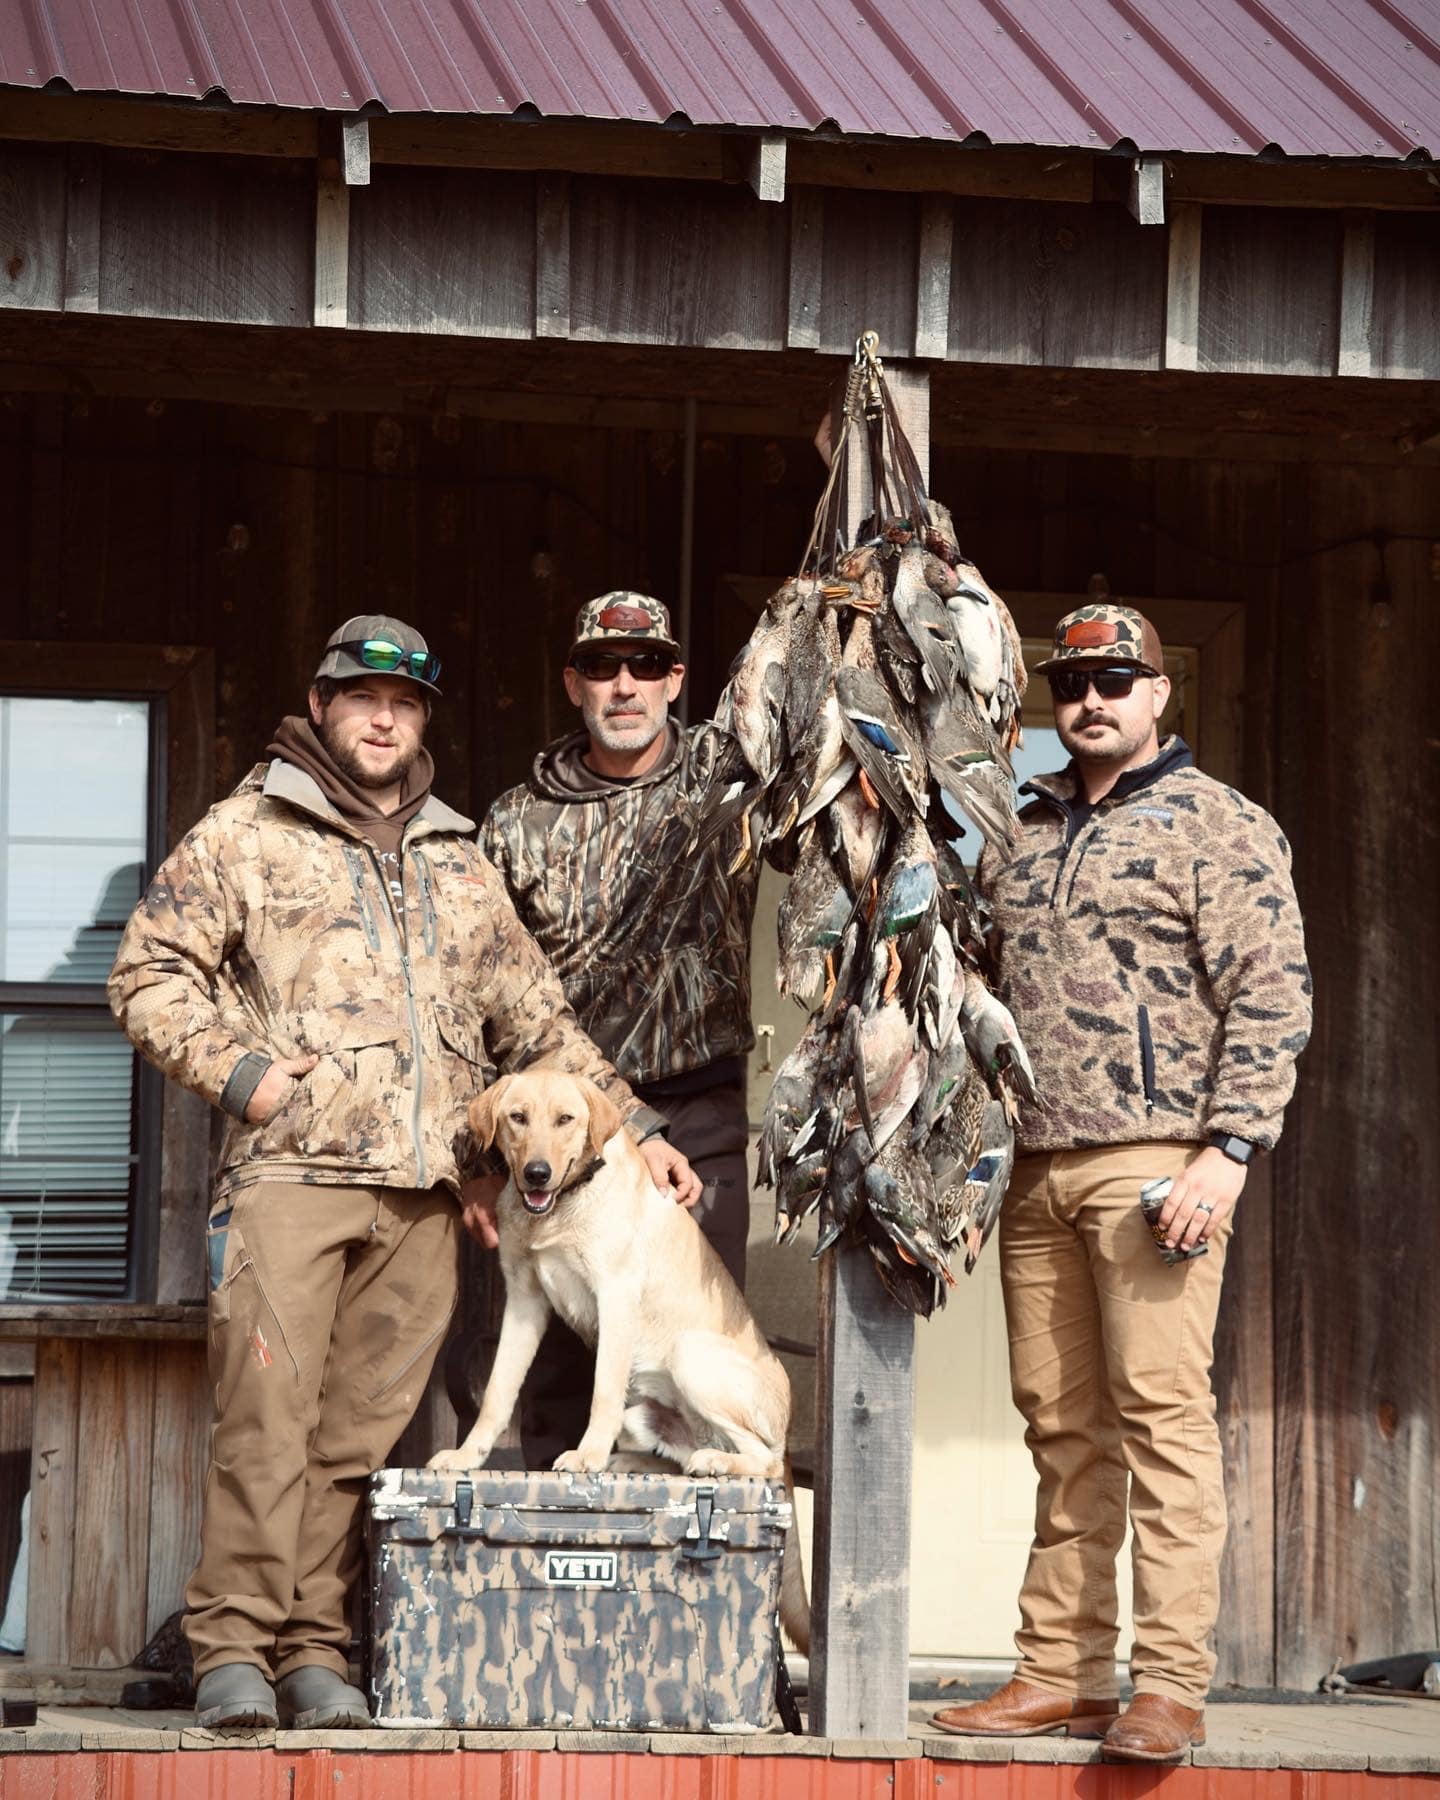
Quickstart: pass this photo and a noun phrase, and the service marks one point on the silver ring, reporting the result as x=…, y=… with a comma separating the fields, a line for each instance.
x=1200, y=1206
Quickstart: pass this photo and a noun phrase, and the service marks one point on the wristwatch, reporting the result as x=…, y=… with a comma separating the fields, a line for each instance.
x=1238, y=1149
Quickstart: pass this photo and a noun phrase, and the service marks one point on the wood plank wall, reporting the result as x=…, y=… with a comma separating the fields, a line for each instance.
x=508, y=253
x=120, y=1443
x=254, y=531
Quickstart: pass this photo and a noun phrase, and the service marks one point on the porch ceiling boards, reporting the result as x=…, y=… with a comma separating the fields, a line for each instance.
x=519, y=254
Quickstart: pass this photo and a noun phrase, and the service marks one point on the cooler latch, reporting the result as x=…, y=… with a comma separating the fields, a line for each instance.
x=464, y=1508
x=698, y=1546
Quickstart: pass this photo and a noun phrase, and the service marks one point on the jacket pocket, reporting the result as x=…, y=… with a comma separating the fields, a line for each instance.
x=467, y=1071
x=1147, y=1059
x=351, y=1104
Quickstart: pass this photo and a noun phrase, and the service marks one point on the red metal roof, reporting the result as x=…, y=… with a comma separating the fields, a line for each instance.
x=1314, y=77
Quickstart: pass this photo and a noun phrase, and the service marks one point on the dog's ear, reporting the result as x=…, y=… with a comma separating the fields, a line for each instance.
x=485, y=1111
x=604, y=1117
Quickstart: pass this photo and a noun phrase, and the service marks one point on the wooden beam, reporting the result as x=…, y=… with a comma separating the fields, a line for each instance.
x=865, y=1397
x=467, y=142
x=807, y=256
x=82, y=230
x=158, y=124
x=332, y=247
x=765, y=164
x=603, y=147
x=1146, y=199
x=1357, y=295
x=355, y=151
x=1182, y=289
x=928, y=168
x=552, y=256
x=932, y=285
x=860, y=1613
x=1329, y=182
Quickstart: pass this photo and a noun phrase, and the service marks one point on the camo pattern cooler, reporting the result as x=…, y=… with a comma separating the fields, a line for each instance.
x=625, y=1602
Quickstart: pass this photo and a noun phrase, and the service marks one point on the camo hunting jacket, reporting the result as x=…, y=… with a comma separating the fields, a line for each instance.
x=650, y=938
x=268, y=933
x=1152, y=952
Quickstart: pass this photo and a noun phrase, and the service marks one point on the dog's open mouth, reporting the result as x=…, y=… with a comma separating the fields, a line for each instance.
x=539, y=1201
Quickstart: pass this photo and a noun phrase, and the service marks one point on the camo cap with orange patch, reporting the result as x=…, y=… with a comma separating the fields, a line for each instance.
x=1104, y=632
x=623, y=615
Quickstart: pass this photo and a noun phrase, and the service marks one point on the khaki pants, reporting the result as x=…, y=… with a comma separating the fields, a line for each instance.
x=327, y=1307
x=1110, y=1354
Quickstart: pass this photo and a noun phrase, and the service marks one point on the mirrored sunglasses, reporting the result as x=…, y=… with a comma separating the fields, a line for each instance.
x=1110, y=684
x=644, y=665
x=389, y=659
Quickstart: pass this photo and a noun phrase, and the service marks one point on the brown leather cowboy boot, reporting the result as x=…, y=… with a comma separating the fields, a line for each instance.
x=1021, y=1710
x=1154, y=1728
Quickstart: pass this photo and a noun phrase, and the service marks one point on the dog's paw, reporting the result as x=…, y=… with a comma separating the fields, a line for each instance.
x=708, y=1462
x=583, y=1460
x=465, y=1456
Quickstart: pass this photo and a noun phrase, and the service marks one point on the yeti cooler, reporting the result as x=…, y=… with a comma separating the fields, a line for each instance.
x=592, y=1602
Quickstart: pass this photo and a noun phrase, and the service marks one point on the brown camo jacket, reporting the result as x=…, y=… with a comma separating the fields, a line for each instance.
x=267, y=931
x=1155, y=963
x=650, y=938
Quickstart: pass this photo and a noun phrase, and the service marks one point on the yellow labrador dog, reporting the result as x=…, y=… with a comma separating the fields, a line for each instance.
x=681, y=1368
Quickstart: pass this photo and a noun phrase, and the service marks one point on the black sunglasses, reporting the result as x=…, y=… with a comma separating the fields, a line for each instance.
x=389, y=659
x=1110, y=684
x=644, y=665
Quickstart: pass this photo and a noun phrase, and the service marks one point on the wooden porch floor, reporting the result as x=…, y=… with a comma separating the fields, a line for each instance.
x=1358, y=1737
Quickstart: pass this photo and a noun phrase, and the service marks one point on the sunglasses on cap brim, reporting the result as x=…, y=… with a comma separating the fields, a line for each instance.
x=605, y=665
x=1110, y=684
x=389, y=659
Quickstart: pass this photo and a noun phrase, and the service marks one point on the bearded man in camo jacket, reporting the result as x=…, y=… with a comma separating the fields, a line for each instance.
x=1150, y=947
x=329, y=960
x=650, y=939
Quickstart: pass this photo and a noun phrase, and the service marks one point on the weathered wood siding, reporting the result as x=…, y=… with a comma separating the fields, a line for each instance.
x=254, y=531
x=506, y=253
x=120, y=1443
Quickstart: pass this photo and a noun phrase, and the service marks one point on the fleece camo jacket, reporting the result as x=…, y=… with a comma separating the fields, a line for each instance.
x=1152, y=953
x=269, y=933
x=650, y=936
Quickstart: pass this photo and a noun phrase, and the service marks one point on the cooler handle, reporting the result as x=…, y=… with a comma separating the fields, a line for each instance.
x=516, y=1525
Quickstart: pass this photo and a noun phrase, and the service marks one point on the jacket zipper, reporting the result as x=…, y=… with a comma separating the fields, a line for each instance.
x=416, y=1131
x=427, y=901
x=355, y=863
x=1147, y=1059
x=1069, y=839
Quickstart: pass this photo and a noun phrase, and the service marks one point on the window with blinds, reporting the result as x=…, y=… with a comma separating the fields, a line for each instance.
x=76, y=812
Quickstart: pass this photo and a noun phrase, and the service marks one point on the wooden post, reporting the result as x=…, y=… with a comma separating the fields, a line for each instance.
x=860, y=1618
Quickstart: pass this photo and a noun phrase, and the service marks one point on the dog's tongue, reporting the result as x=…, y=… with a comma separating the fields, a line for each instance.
x=536, y=1198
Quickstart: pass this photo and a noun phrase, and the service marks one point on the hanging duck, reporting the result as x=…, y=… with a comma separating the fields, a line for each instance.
x=881, y=688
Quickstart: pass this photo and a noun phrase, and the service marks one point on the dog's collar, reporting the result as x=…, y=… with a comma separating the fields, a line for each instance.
x=587, y=1174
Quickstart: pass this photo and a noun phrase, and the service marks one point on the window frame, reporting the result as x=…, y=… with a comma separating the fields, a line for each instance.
x=172, y=1139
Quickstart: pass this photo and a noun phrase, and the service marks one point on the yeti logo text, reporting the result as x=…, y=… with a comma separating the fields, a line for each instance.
x=580, y=1568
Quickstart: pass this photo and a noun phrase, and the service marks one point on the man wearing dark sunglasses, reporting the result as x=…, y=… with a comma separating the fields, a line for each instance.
x=1151, y=949
x=329, y=959
x=651, y=941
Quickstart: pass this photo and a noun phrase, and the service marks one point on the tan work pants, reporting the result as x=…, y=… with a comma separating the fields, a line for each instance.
x=327, y=1307
x=1110, y=1354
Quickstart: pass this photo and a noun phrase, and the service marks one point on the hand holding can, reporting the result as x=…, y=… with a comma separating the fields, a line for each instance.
x=1152, y=1202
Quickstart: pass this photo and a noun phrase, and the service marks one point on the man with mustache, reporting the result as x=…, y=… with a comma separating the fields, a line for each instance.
x=651, y=940
x=328, y=958
x=1150, y=947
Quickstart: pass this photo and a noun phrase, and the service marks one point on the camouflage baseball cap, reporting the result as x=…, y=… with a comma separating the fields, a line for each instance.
x=345, y=656
x=623, y=615
x=1105, y=632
